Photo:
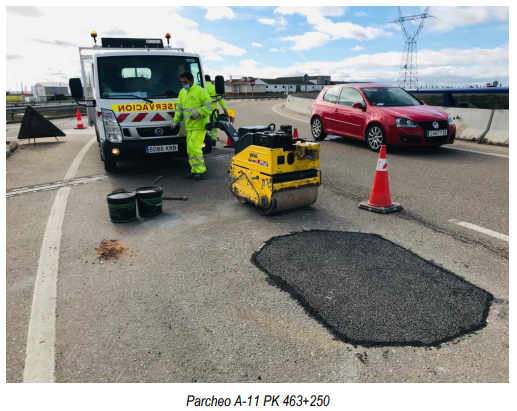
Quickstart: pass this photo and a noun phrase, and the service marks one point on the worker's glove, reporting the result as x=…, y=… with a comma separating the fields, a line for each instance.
x=225, y=112
x=174, y=125
x=195, y=114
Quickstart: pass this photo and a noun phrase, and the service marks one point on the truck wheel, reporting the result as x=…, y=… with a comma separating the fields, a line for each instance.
x=97, y=134
x=110, y=165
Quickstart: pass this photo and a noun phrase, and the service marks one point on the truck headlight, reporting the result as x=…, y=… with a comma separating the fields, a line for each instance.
x=405, y=122
x=112, y=129
x=450, y=120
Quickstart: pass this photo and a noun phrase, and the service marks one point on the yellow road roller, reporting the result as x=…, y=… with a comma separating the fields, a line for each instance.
x=271, y=168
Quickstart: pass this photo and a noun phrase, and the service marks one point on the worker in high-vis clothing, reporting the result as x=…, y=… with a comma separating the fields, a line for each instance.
x=195, y=107
x=211, y=90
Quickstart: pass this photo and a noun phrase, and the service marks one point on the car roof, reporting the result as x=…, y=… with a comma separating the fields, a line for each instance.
x=360, y=85
x=368, y=85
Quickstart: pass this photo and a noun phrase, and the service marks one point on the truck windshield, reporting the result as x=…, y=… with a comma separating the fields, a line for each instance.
x=132, y=77
x=389, y=97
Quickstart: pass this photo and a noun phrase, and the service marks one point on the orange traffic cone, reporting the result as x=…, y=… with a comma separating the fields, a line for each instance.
x=380, y=200
x=228, y=141
x=80, y=125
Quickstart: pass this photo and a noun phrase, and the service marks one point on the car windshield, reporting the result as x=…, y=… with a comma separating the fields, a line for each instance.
x=133, y=77
x=390, y=97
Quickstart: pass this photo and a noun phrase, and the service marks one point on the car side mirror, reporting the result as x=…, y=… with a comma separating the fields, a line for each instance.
x=219, y=85
x=76, y=88
x=358, y=106
x=422, y=101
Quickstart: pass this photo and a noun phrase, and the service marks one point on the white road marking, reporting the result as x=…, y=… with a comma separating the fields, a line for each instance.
x=39, y=360
x=481, y=230
x=56, y=185
x=294, y=118
x=477, y=152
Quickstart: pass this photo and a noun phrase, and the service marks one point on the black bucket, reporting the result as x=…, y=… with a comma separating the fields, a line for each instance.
x=149, y=201
x=122, y=207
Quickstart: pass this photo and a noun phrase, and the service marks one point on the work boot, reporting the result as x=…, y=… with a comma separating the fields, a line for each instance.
x=199, y=176
x=190, y=176
x=214, y=143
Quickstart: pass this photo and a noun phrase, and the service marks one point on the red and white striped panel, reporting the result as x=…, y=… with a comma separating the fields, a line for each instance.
x=139, y=117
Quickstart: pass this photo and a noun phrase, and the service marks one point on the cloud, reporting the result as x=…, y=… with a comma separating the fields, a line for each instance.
x=279, y=22
x=447, y=67
x=327, y=29
x=26, y=11
x=269, y=22
x=361, y=14
x=312, y=11
x=450, y=18
x=308, y=40
x=257, y=45
x=357, y=48
x=55, y=43
x=13, y=57
x=347, y=30
x=274, y=50
x=116, y=32
x=220, y=12
x=46, y=51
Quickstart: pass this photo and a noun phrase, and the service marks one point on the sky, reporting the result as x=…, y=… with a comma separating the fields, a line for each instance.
x=459, y=46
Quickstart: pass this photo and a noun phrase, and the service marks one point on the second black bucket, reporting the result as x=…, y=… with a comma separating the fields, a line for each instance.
x=149, y=200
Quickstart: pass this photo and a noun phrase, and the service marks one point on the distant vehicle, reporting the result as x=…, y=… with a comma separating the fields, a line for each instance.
x=130, y=87
x=379, y=114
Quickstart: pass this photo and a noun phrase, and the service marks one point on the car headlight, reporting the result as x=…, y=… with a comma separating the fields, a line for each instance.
x=405, y=122
x=450, y=120
x=112, y=129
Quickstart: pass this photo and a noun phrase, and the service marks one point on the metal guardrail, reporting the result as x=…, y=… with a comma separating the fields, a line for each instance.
x=17, y=110
x=61, y=107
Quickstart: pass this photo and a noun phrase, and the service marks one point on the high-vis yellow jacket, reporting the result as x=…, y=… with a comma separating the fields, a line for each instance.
x=190, y=101
x=211, y=90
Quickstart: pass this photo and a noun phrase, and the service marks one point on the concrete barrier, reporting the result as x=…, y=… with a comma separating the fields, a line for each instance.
x=471, y=124
x=299, y=105
x=499, y=133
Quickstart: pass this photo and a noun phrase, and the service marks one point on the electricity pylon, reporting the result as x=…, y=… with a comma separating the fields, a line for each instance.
x=408, y=74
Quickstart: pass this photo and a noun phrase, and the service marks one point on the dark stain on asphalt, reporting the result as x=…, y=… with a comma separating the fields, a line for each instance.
x=363, y=357
x=369, y=291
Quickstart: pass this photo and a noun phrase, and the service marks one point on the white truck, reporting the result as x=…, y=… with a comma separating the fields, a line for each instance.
x=130, y=88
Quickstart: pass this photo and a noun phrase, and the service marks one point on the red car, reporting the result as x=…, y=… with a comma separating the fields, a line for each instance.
x=379, y=115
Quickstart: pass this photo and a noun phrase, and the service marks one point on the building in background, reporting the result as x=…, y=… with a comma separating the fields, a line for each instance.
x=278, y=85
x=47, y=91
x=243, y=86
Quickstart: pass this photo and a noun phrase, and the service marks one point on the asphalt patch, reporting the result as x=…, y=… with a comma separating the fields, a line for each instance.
x=372, y=292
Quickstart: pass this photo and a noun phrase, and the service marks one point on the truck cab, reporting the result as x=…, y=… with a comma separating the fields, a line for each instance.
x=131, y=87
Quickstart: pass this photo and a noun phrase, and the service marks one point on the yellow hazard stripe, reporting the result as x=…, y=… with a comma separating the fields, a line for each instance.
x=128, y=108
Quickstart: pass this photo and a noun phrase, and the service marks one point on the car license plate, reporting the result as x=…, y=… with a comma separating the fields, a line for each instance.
x=436, y=133
x=161, y=149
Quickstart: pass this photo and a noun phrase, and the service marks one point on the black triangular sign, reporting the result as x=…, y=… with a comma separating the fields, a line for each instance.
x=34, y=125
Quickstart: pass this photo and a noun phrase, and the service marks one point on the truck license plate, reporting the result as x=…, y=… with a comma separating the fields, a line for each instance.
x=161, y=149
x=436, y=133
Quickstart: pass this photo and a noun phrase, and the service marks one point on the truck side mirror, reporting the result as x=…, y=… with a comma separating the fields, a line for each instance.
x=219, y=84
x=76, y=88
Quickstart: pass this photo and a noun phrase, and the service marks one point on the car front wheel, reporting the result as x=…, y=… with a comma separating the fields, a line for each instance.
x=317, y=129
x=375, y=137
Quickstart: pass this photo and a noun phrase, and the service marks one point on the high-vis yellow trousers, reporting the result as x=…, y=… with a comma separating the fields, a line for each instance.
x=195, y=140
